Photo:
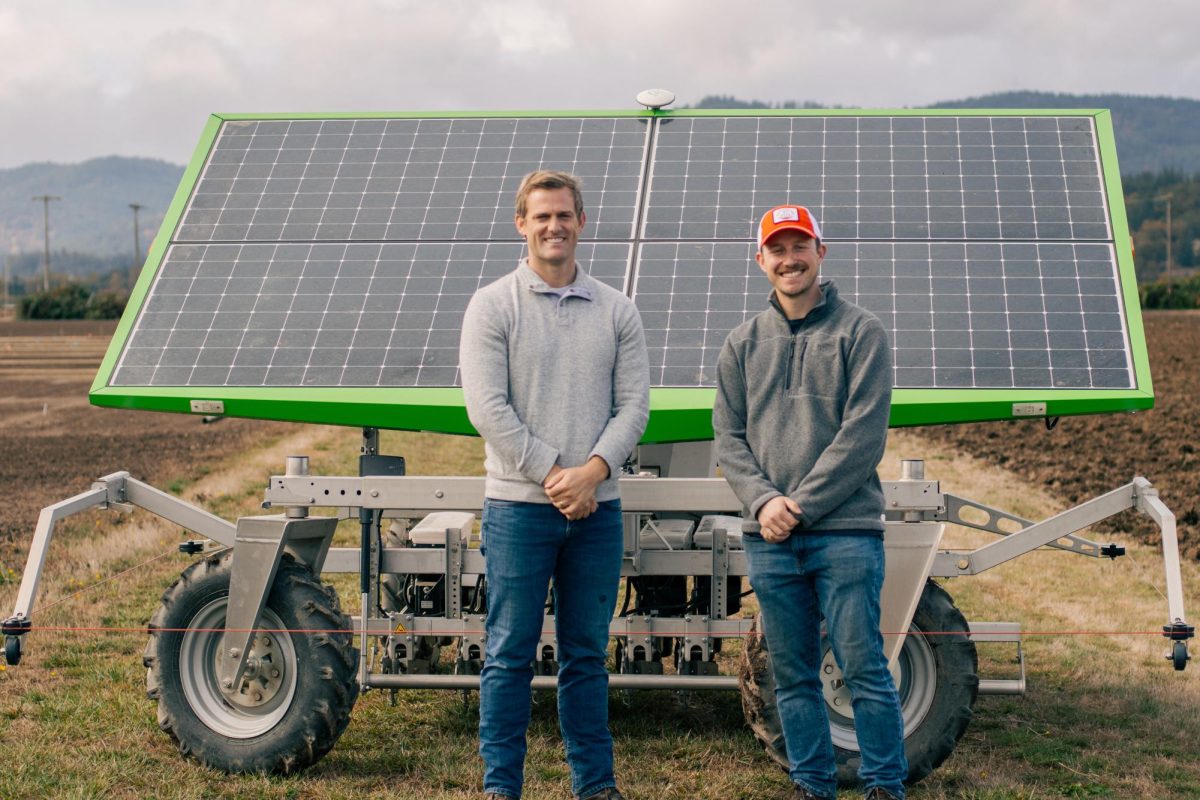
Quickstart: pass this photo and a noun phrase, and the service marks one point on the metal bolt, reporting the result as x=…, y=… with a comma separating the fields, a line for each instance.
x=963, y=563
x=274, y=673
x=374, y=493
x=439, y=494
x=227, y=683
x=266, y=641
x=828, y=669
x=257, y=696
x=234, y=652
x=837, y=701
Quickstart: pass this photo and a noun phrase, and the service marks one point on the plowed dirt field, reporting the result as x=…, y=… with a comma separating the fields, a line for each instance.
x=1087, y=456
x=53, y=443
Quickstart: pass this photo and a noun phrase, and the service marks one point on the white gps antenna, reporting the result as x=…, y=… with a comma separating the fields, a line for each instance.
x=656, y=98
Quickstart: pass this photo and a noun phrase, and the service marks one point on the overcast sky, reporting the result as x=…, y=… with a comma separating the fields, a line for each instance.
x=81, y=78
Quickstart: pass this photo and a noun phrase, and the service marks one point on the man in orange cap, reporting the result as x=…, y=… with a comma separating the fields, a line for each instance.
x=801, y=418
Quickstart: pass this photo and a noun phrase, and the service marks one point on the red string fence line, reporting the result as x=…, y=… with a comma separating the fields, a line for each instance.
x=462, y=632
x=451, y=632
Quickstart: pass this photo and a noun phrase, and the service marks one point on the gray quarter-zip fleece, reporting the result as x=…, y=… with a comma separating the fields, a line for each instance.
x=553, y=376
x=805, y=413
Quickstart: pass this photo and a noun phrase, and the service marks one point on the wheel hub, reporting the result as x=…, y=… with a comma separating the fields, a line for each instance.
x=262, y=695
x=263, y=676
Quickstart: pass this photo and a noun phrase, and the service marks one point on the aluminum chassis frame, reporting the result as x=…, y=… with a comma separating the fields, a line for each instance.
x=915, y=511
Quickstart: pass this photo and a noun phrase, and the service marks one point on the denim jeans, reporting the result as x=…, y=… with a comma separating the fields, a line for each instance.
x=837, y=577
x=525, y=546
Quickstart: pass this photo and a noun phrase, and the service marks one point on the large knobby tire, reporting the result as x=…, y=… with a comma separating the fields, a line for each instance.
x=938, y=684
x=297, y=699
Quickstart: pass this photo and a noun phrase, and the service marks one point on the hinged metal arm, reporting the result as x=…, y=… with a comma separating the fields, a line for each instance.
x=117, y=490
x=910, y=500
x=1046, y=532
x=1075, y=544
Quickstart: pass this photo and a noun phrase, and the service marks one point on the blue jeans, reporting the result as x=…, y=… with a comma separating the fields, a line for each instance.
x=837, y=577
x=526, y=545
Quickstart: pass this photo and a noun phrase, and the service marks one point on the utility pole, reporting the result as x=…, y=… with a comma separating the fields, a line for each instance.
x=46, y=198
x=8, y=263
x=1170, y=283
x=137, y=244
x=1166, y=197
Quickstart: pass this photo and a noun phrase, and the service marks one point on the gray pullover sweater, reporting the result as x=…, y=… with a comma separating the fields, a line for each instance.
x=553, y=376
x=805, y=413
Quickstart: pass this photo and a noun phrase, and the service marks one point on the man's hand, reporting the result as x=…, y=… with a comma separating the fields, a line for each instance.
x=573, y=490
x=777, y=517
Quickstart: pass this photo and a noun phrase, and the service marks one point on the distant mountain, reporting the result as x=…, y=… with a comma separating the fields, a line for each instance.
x=1153, y=133
x=93, y=215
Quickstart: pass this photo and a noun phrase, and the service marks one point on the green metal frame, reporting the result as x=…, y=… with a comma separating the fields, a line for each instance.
x=676, y=414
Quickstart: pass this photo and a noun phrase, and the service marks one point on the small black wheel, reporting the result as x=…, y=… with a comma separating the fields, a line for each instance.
x=299, y=687
x=938, y=684
x=1179, y=656
x=12, y=650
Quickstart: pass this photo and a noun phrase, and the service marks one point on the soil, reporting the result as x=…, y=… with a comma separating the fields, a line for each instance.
x=54, y=444
x=1087, y=456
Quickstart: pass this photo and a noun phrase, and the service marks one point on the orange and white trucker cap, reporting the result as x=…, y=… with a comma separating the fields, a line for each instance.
x=782, y=218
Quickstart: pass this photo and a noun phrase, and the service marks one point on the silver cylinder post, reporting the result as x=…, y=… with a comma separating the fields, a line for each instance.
x=912, y=469
x=296, y=465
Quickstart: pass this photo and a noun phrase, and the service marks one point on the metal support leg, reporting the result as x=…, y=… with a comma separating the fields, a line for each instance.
x=20, y=623
x=1150, y=505
x=718, y=591
x=257, y=551
x=1177, y=630
x=909, y=548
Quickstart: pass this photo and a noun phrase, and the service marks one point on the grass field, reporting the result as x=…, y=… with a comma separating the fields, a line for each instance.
x=1104, y=716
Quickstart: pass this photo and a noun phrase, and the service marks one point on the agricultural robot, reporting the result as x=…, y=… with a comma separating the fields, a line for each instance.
x=314, y=268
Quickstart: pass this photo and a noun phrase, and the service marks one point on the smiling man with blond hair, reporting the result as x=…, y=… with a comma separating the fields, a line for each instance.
x=556, y=380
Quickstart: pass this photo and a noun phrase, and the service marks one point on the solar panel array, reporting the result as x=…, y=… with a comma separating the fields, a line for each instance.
x=959, y=314
x=342, y=253
x=873, y=177
x=405, y=179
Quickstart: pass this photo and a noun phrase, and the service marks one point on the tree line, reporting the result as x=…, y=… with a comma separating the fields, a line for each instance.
x=1146, y=198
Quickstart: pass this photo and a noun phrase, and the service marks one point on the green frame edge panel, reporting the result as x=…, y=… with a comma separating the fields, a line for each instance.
x=677, y=414
x=1123, y=245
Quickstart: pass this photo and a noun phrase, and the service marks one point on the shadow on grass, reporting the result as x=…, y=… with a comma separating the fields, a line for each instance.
x=425, y=726
x=1077, y=733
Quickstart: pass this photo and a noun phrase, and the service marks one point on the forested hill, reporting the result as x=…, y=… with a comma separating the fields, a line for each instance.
x=1153, y=133
x=93, y=215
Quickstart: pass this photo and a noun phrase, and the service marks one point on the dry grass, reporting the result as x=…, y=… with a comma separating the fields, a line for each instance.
x=1104, y=716
x=1092, y=721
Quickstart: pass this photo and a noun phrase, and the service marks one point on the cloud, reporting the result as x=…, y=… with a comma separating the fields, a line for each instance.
x=140, y=77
